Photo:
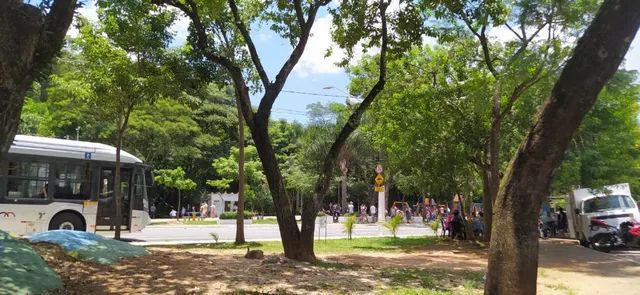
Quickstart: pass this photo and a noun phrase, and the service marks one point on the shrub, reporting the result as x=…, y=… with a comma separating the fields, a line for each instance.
x=393, y=224
x=349, y=214
x=348, y=225
x=214, y=236
x=435, y=224
x=233, y=215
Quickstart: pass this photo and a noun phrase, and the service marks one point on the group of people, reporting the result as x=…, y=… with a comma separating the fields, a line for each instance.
x=553, y=223
x=364, y=212
x=205, y=211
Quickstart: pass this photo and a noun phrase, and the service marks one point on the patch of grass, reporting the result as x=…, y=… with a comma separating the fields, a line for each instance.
x=199, y=222
x=334, y=265
x=561, y=287
x=265, y=221
x=337, y=246
x=542, y=272
x=435, y=280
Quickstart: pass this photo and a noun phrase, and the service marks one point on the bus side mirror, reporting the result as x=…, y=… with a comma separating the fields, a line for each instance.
x=577, y=211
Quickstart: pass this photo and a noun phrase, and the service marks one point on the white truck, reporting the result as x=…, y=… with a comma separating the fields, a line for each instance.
x=612, y=205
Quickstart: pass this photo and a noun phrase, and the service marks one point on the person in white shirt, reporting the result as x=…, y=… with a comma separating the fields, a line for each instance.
x=173, y=213
x=350, y=207
x=373, y=212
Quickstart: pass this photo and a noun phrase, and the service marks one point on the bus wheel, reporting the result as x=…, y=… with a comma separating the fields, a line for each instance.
x=66, y=221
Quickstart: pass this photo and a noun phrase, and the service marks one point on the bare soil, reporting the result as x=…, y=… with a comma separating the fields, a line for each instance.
x=205, y=271
x=454, y=267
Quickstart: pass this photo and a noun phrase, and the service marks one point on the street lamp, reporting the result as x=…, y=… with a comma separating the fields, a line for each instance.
x=351, y=100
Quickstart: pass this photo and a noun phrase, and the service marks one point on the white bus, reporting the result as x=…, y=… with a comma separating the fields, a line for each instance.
x=48, y=183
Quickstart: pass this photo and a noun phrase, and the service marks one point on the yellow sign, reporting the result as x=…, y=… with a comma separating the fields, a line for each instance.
x=378, y=188
x=379, y=180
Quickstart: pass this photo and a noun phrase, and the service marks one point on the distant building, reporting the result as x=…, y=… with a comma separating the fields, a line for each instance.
x=223, y=201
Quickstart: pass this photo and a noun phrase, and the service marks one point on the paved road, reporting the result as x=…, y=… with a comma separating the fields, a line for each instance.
x=159, y=234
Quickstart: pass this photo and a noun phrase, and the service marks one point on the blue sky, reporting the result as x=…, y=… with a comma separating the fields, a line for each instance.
x=314, y=72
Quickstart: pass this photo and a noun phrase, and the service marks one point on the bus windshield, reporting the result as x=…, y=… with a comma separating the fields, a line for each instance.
x=607, y=203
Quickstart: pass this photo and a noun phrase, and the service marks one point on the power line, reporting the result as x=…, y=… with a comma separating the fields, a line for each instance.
x=315, y=94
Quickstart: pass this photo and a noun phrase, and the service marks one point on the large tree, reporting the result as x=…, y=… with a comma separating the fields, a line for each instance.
x=124, y=55
x=293, y=21
x=513, y=255
x=30, y=37
x=538, y=34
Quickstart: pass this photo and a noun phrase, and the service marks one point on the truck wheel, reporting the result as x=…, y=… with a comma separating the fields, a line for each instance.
x=67, y=221
x=584, y=243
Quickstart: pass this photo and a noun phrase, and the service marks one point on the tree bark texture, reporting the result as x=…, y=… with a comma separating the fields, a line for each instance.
x=240, y=215
x=487, y=204
x=513, y=256
x=28, y=43
x=344, y=193
x=289, y=231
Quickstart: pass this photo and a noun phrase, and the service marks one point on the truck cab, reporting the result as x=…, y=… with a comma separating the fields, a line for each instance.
x=612, y=204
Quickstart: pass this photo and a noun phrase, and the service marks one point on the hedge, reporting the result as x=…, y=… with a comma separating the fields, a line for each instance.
x=233, y=215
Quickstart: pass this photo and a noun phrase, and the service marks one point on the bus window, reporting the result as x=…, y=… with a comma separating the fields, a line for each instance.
x=72, y=182
x=27, y=180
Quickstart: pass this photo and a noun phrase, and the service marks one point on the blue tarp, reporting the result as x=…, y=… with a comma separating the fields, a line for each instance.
x=22, y=270
x=89, y=246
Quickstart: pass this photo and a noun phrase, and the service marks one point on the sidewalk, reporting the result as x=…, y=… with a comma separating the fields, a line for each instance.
x=568, y=268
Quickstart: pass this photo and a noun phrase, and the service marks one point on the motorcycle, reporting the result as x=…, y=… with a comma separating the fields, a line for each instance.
x=630, y=233
x=603, y=237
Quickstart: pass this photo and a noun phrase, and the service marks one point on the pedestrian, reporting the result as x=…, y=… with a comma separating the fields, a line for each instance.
x=173, y=212
x=214, y=212
x=204, y=208
x=183, y=212
x=562, y=221
x=457, y=225
x=393, y=210
x=350, y=207
x=373, y=212
x=193, y=212
x=478, y=227
x=336, y=212
x=408, y=214
x=152, y=210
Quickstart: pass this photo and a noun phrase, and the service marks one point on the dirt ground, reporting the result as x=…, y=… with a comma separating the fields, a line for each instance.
x=204, y=271
x=564, y=269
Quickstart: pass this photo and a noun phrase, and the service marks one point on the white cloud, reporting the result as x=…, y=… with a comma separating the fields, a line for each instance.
x=632, y=59
x=89, y=11
x=313, y=61
x=180, y=29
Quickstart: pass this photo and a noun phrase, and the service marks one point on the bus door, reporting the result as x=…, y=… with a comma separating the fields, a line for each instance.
x=106, y=200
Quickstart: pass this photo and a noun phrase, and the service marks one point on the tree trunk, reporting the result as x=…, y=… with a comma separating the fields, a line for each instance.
x=240, y=215
x=344, y=194
x=289, y=231
x=28, y=43
x=513, y=256
x=487, y=204
x=117, y=186
x=179, y=210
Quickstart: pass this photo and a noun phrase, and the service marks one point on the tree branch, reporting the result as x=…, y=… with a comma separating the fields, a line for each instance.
x=354, y=120
x=486, y=53
x=271, y=92
x=54, y=30
x=249, y=42
x=513, y=31
x=202, y=43
x=299, y=13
